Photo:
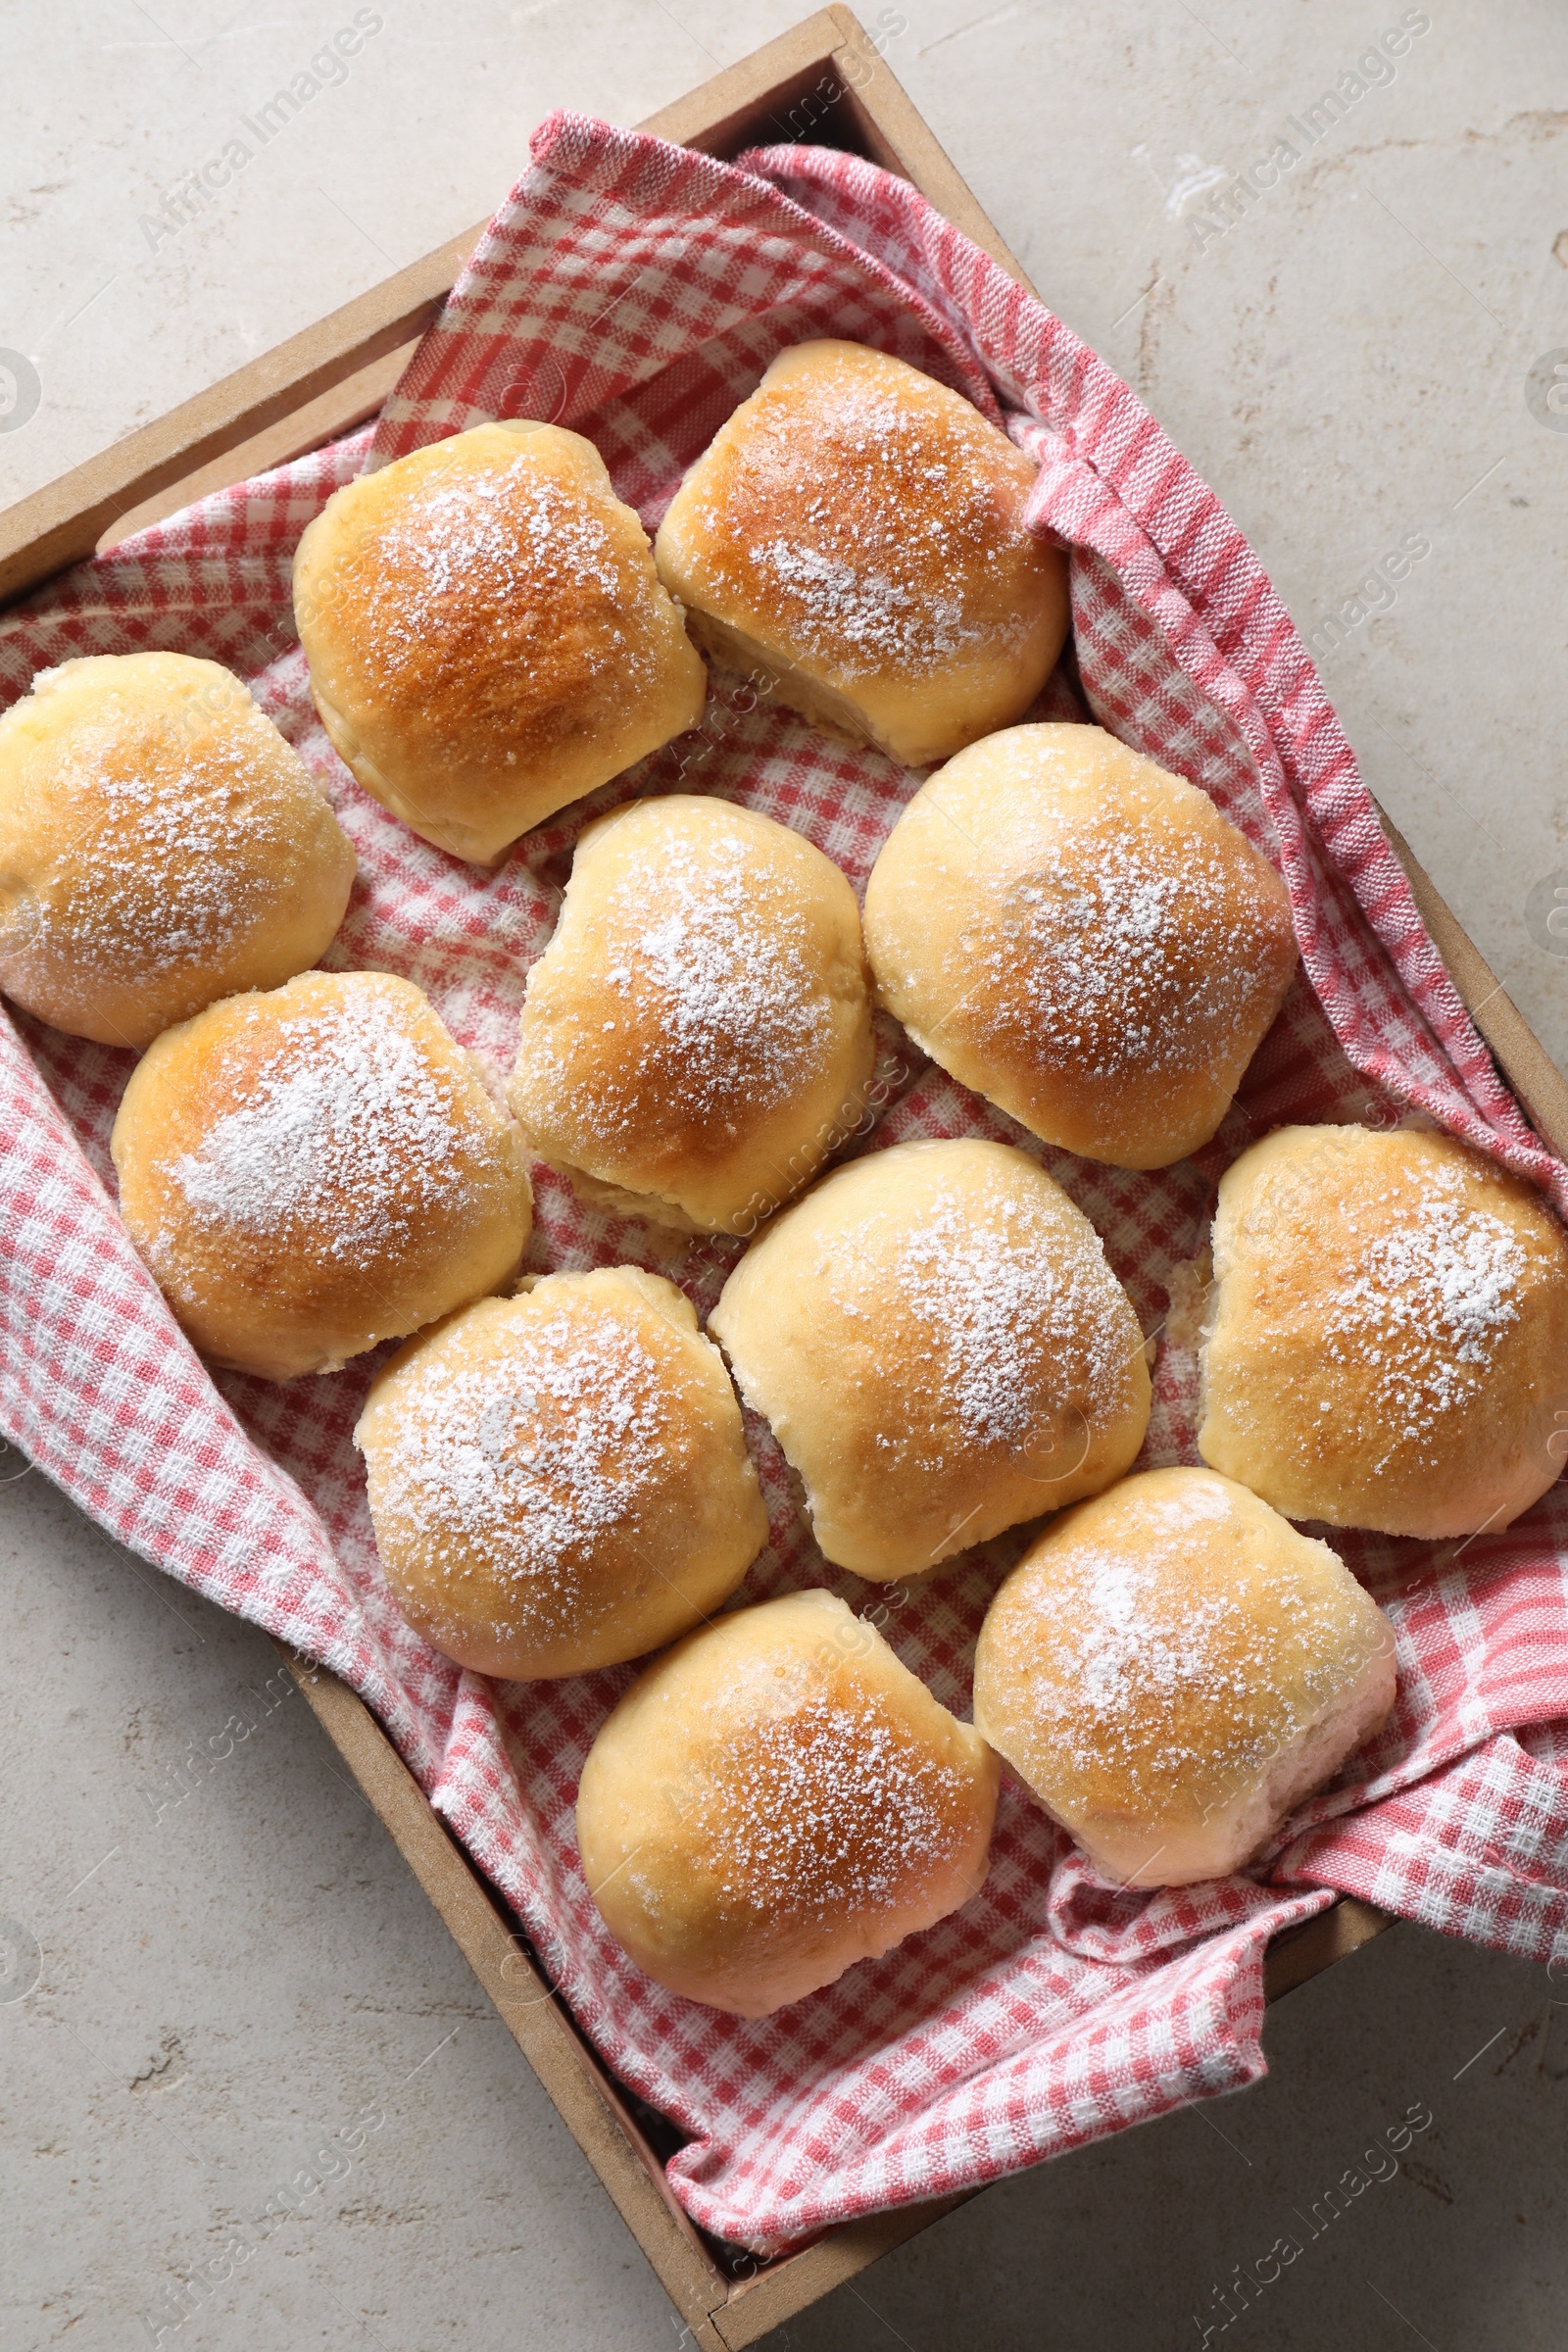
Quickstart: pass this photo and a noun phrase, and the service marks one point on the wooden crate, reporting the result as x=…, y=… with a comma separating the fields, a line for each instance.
x=823, y=84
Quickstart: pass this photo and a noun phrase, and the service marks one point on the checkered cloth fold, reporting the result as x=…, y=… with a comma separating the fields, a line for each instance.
x=635, y=292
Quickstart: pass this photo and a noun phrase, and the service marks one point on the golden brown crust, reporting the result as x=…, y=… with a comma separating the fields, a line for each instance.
x=486, y=634
x=1390, y=1338
x=314, y=1170
x=1083, y=937
x=696, y=1037
x=560, y=1481
x=863, y=526
x=161, y=846
x=941, y=1349
x=1172, y=1668
x=775, y=1799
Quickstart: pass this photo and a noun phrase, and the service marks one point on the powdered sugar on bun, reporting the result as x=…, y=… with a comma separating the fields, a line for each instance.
x=342, y=1137
x=1171, y=1668
x=1389, y=1345
x=560, y=1481
x=313, y=1170
x=697, y=1033
x=941, y=1349
x=486, y=634
x=855, y=533
x=1082, y=937
x=777, y=1799
x=161, y=846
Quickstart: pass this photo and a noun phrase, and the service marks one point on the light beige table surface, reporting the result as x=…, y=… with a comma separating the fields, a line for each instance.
x=1361, y=360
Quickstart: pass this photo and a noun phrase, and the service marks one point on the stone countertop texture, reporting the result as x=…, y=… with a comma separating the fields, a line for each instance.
x=1360, y=350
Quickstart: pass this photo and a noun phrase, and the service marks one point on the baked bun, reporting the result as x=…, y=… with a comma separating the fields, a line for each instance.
x=941, y=1349
x=560, y=1481
x=855, y=534
x=775, y=1799
x=309, y=1172
x=696, y=1037
x=1173, y=1669
x=161, y=846
x=1389, y=1340
x=486, y=635
x=1082, y=938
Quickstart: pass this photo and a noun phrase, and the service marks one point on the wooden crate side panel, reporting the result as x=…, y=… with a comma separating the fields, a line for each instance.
x=327, y=417
x=750, y=103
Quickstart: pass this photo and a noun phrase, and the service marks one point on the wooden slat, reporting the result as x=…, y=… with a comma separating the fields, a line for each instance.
x=789, y=2287
x=1306, y=1951
x=324, y=418
x=750, y=104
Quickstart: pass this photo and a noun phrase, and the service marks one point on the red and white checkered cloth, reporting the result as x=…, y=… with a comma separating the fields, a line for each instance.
x=636, y=292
